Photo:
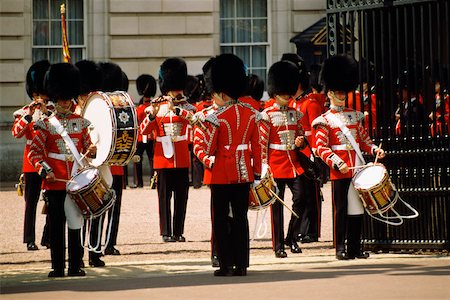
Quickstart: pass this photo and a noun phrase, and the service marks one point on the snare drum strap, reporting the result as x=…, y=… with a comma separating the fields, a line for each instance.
x=63, y=133
x=348, y=135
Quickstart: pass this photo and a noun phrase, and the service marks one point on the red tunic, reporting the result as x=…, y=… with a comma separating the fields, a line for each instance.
x=23, y=128
x=310, y=109
x=249, y=100
x=200, y=143
x=279, y=127
x=117, y=170
x=233, y=138
x=173, y=129
x=49, y=146
x=333, y=146
x=140, y=111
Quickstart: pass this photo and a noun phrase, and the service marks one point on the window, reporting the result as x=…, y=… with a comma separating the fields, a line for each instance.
x=243, y=31
x=47, y=37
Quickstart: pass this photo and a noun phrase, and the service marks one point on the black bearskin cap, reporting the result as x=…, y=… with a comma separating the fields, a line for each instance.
x=62, y=81
x=195, y=88
x=146, y=85
x=172, y=75
x=340, y=73
x=207, y=76
x=283, y=79
x=301, y=66
x=255, y=87
x=112, y=77
x=90, y=76
x=125, y=82
x=314, y=80
x=35, y=77
x=228, y=75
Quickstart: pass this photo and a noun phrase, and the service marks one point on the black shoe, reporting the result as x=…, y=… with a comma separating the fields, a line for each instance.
x=96, y=262
x=76, y=273
x=45, y=244
x=82, y=264
x=280, y=253
x=168, y=239
x=360, y=255
x=342, y=255
x=293, y=246
x=56, y=273
x=224, y=272
x=31, y=246
x=215, y=261
x=111, y=251
x=180, y=238
x=240, y=271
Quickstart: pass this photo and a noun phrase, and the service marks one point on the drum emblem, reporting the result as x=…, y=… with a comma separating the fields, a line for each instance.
x=124, y=117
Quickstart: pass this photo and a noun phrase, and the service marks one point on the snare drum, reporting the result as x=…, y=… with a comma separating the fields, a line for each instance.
x=115, y=127
x=90, y=193
x=260, y=196
x=375, y=189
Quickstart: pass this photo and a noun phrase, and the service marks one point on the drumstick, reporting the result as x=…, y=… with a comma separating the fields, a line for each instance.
x=281, y=200
x=62, y=180
x=376, y=157
x=357, y=167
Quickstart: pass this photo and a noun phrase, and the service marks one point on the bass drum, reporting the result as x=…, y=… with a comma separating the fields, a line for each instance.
x=114, y=127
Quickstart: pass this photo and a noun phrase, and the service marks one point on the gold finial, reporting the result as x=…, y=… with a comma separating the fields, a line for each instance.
x=63, y=8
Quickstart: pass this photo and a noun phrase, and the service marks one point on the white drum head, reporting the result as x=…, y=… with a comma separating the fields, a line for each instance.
x=369, y=177
x=82, y=179
x=98, y=111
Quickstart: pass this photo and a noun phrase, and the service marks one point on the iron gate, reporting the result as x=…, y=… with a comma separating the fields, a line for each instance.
x=403, y=52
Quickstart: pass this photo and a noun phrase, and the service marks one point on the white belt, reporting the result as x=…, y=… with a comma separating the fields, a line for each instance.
x=239, y=147
x=175, y=138
x=58, y=156
x=29, y=142
x=308, y=132
x=282, y=147
x=341, y=147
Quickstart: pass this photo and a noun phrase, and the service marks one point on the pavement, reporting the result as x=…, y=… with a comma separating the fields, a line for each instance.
x=151, y=269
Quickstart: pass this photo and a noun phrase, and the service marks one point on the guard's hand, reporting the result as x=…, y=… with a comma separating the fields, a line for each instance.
x=50, y=177
x=92, y=150
x=300, y=141
x=344, y=168
x=380, y=153
x=256, y=183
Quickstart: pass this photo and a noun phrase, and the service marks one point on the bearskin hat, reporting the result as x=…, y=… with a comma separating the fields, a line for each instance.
x=314, y=81
x=62, y=81
x=195, y=87
x=207, y=76
x=35, y=77
x=125, y=82
x=172, y=75
x=301, y=66
x=283, y=79
x=340, y=73
x=90, y=76
x=255, y=87
x=146, y=85
x=112, y=77
x=228, y=75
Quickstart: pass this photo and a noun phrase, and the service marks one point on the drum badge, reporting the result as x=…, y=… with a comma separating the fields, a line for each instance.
x=74, y=127
x=124, y=117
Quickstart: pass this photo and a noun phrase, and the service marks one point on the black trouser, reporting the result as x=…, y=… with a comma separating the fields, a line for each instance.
x=197, y=172
x=345, y=226
x=310, y=224
x=299, y=193
x=114, y=212
x=31, y=194
x=148, y=148
x=57, y=220
x=176, y=181
x=232, y=236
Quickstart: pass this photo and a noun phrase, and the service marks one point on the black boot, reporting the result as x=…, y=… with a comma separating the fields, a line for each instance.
x=75, y=253
x=354, y=237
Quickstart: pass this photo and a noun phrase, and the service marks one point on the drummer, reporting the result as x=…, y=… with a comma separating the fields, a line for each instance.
x=281, y=133
x=55, y=163
x=339, y=136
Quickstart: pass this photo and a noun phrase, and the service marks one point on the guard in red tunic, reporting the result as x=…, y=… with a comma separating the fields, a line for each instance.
x=54, y=161
x=146, y=87
x=309, y=229
x=281, y=133
x=168, y=117
x=233, y=138
x=24, y=120
x=340, y=76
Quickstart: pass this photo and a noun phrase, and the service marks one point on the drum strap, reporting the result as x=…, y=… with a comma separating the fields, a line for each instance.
x=348, y=135
x=63, y=133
